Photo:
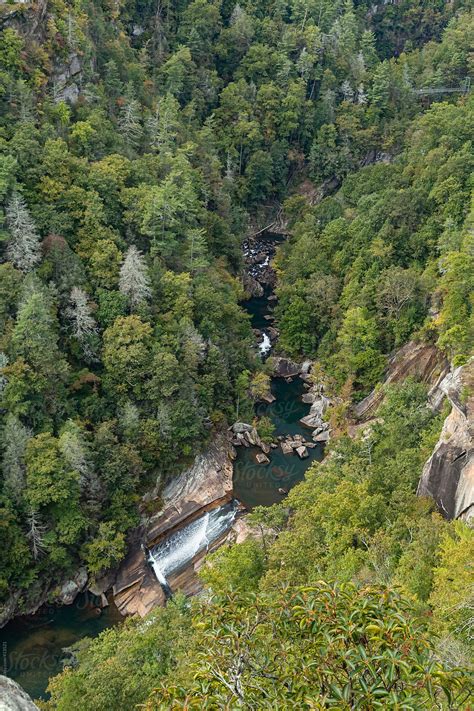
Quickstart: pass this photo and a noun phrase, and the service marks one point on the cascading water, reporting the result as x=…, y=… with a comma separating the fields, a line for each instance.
x=265, y=345
x=178, y=550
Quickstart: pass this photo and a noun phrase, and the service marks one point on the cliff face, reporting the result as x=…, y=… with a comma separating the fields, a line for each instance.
x=421, y=361
x=448, y=475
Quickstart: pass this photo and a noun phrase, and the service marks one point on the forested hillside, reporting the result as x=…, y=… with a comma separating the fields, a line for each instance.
x=139, y=143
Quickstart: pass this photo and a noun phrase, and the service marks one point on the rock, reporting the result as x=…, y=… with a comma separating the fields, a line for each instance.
x=241, y=427
x=302, y=452
x=13, y=697
x=268, y=398
x=273, y=445
x=310, y=445
x=100, y=586
x=448, y=475
x=321, y=436
x=71, y=588
x=67, y=78
x=306, y=367
x=136, y=590
x=253, y=438
x=286, y=448
x=422, y=361
x=265, y=447
x=237, y=442
x=268, y=317
x=308, y=398
x=273, y=297
x=262, y=458
x=282, y=491
x=252, y=286
x=315, y=417
x=272, y=332
x=288, y=380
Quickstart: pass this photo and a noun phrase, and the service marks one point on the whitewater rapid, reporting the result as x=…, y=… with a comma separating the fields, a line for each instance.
x=177, y=551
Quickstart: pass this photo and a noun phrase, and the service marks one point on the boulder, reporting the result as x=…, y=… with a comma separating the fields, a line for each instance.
x=71, y=588
x=302, y=452
x=241, y=427
x=315, y=417
x=253, y=438
x=283, y=367
x=286, y=448
x=322, y=436
x=268, y=398
x=252, y=286
x=262, y=458
x=13, y=697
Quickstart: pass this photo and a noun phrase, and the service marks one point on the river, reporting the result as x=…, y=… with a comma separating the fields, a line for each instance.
x=32, y=647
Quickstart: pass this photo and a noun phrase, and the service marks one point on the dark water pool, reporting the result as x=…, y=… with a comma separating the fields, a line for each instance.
x=31, y=646
x=257, y=485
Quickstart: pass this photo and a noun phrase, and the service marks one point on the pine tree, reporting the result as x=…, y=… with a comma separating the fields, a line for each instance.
x=83, y=324
x=163, y=124
x=23, y=248
x=134, y=281
x=15, y=436
x=196, y=250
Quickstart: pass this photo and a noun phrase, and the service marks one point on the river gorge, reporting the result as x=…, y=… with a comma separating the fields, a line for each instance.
x=33, y=646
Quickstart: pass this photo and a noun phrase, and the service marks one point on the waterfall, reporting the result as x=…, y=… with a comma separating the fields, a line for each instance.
x=178, y=550
x=266, y=345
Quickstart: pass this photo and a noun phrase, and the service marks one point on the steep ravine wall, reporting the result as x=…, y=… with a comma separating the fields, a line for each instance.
x=448, y=475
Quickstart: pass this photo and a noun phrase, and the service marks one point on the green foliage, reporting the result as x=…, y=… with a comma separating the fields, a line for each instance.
x=318, y=646
x=452, y=593
x=237, y=568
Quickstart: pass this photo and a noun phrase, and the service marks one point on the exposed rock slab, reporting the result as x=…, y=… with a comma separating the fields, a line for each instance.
x=136, y=589
x=207, y=482
x=422, y=361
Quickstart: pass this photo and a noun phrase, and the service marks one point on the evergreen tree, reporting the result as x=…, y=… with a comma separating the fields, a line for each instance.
x=15, y=437
x=23, y=248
